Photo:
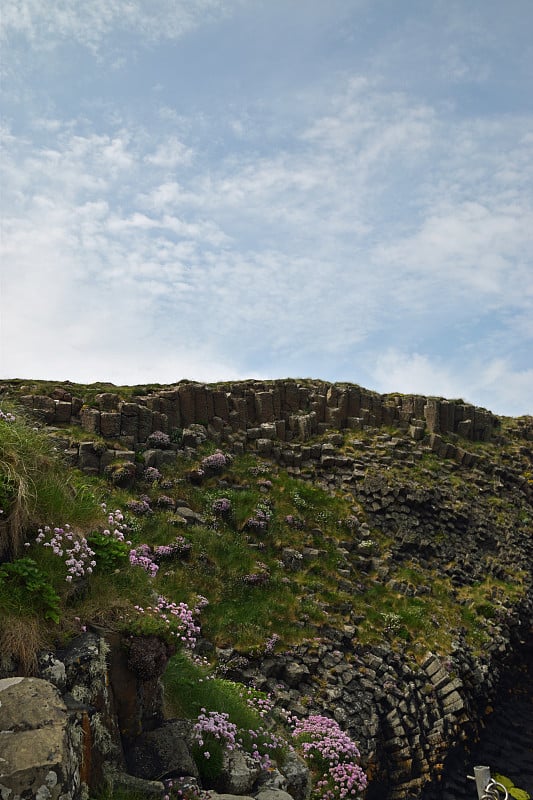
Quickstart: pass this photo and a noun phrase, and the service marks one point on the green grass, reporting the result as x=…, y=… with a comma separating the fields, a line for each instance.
x=35, y=487
x=293, y=602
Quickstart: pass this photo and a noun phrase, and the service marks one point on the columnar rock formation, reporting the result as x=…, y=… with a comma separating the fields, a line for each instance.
x=283, y=410
x=468, y=518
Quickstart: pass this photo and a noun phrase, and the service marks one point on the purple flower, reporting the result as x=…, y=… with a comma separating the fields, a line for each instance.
x=214, y=463
x=151, y=475
x=139, y=507
x=159, y=440
x=221, y=506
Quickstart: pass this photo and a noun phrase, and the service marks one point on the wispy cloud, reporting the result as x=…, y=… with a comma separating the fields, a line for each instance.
x=90, y=22
x=482, y=375
x=347, y=230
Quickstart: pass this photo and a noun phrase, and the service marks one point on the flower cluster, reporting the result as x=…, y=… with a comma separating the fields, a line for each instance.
x=121, y=474
x=159, y=440
x=176, y=620
x=184, y=789
x=215, y=725
x=151, y=475
x=214, y=463
x=271, y=643
x=142, y=556
x=259, y=578
x=344, y=780
x=139, y=507
x=333, y=757
x=322, y=737
x=179, y=548
x=117, y=525
x=221, y=506
x=298, y=500
x=260, y=519
x=260, y=702
x=351, y=522
x=79, y=558
x=263, y=740
x=7, y=416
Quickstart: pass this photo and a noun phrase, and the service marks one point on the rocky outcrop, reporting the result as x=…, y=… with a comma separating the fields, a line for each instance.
x=431, y=489
x=405, y=716
x=98, y=721
x=41, y=743
x=262, y=411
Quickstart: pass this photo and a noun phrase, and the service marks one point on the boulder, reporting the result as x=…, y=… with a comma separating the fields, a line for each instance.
x=298, y=776
x=162, y=753
x=239, y=773
x=40, y=748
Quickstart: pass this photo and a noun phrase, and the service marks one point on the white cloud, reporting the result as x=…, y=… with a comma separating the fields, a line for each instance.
x=133, y=251
x=506, y=389
x=170, y=154
x=44, y=25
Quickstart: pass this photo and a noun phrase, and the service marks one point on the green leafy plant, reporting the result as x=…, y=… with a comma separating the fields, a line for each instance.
x=25, y=587
x=110, y=553
x=514, y=791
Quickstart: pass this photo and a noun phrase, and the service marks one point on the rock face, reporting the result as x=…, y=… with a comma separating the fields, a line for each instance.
x=406, y=714
x=259, y=414
x=41, y=752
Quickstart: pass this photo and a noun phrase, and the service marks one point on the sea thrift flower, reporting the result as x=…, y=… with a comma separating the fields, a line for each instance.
x=179, y=548
x=217, y=725
x=142, y=556
x=259, y=521
x=331, y=751
x=151, y=475
x=177, y=620
x=214, y=463
x=64, y=542
x=159, y=440
x=221, y=506
x=271, y=643
x=139, y=507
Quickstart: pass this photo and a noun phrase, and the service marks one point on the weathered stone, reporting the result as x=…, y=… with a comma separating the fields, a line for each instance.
x=465, y=428
x=221, y=405
x=88, y=457
x=264, y=407
x=129, y=421
x=63, y=411
x=239, y=773
x=40, y=750
x=294, y=673
x=90, y=419
x=264, y=447
x=110, y=424
x=273, y=794
x=298, y=776
x=162, y=753
x=116, y=780
x=107, y=401
x=44, y=408
x=191, y=517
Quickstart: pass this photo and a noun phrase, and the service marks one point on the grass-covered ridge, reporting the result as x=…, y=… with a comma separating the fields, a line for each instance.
x=367, y=539
x=274, y=555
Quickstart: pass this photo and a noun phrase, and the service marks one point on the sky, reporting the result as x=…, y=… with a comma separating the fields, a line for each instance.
x=230, y=189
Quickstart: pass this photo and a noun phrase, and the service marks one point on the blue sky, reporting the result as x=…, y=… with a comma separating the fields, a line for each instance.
x=226, y=189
